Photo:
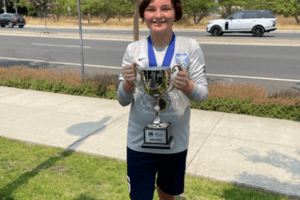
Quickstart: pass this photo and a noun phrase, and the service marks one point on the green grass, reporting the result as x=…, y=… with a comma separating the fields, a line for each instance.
x=33, y=172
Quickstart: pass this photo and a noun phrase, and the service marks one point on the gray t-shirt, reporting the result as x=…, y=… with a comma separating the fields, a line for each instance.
x=188, y=52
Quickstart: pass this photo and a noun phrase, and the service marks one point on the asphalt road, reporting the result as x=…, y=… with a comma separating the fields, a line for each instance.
x=145, y=32
x=275, y=68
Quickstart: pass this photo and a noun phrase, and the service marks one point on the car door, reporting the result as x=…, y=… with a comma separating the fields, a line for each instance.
x=235, y=21
x=2, y=19
x=6, y=18
x=249, y=20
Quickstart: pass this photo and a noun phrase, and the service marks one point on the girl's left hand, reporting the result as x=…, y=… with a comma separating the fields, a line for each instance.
x=182, y=82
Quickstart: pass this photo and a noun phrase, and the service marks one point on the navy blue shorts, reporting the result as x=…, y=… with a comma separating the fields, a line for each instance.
x=143, y=167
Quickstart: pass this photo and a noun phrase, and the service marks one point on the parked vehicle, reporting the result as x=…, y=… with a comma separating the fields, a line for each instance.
x=11, y=20
x=256, y=22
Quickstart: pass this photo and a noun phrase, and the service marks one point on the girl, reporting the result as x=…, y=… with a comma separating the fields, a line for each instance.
x=161, y=48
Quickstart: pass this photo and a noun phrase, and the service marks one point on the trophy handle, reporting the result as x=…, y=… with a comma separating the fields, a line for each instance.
x=173, y=70
x=137, y=68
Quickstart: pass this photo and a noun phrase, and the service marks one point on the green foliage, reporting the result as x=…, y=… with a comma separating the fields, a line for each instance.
x=43, y=6
x=62, y=8
x=246, y=107
x=286, y=7
x=198, y=8
x=104, y=87
x=107, y=8
x=59, y=87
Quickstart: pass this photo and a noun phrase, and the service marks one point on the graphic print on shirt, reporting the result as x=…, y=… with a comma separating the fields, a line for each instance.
x=182, y=58
x=146, y=103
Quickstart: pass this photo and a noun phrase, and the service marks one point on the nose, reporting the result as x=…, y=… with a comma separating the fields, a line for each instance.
x=158, y=13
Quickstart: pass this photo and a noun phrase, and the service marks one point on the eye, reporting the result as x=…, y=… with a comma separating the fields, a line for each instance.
x=150, y=9
x=166, y=8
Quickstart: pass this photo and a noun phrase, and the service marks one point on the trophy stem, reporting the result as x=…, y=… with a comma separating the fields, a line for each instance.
x=157, y=123
x=157, y=112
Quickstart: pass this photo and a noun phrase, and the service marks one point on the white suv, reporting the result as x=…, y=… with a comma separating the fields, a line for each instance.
x=248, y=21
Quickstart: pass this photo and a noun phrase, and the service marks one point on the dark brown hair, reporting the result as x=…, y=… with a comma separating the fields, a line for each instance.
x=177, y=5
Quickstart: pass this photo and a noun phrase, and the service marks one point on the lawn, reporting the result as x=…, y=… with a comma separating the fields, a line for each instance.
x=34, y=172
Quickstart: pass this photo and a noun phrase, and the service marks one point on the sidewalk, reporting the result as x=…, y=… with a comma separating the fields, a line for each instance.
x=253, y=151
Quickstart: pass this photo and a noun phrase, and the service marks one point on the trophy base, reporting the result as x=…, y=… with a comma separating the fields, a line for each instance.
x=159, y=146
x=158, y=136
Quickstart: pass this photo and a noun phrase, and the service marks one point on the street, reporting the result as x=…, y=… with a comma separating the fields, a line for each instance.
x=274, y=67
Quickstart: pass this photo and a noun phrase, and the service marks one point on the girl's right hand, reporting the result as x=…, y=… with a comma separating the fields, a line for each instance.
x=129, y=73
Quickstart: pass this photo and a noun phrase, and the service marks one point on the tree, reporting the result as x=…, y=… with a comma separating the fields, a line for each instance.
x=287, y=8
x=43, y=6
x=198, y=8
x=227, y=7
x=105, y=8
x=60, y=9
x=124, y=7
x=259, y=4
x=87, y=7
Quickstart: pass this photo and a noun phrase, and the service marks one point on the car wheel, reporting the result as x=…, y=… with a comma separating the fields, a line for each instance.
x=2, y=26
x=10, y=25
x=258, y=31
x=21, y=26
x=216, y=31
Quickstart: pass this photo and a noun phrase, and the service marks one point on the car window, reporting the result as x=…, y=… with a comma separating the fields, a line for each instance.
x=6, y=15
x=237, y=15
x=250, y=15
x=265, y=14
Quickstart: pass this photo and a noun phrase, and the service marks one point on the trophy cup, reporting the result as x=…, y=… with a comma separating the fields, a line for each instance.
x=156, y=82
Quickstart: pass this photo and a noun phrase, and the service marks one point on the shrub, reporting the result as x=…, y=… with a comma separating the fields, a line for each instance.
x=240, y=99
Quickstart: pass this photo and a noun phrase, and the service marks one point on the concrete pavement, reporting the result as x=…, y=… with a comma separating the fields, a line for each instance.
x=253, y=151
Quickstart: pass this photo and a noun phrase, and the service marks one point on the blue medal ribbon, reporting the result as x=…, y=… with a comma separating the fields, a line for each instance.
x=168, y=56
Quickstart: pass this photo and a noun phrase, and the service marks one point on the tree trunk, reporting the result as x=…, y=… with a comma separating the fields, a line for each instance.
x=136, y=21
x=201, y=16
x=119, y=16
x=45, y=21
x=89, y=14
x=297, y=18
x=53, y=15
x=58, y=15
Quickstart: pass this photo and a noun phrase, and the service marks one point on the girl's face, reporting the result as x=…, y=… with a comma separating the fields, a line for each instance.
x=160, y=16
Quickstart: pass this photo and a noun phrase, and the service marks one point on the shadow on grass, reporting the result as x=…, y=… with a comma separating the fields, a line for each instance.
x=83, y=197
x=287, y=165
x=180, y=198
x=7, y=191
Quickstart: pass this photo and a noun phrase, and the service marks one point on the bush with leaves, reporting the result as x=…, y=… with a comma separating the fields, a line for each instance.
x=43, y=6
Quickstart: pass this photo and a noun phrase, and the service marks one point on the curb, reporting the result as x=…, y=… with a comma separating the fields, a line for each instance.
x=201, y=40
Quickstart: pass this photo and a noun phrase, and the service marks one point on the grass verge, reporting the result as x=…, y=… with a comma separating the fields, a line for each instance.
x=284, y=23
x=33, y=172
x=239, y=99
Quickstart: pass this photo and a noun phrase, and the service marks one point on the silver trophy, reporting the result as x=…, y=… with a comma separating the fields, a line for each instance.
x=156, y=82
